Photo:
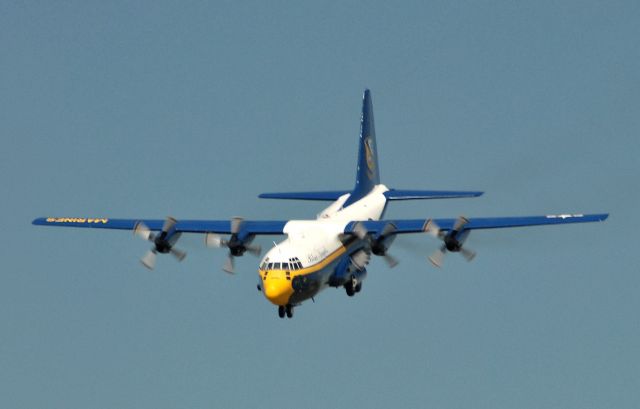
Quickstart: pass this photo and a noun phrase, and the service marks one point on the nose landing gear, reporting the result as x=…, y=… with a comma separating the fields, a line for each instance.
x=285, y=310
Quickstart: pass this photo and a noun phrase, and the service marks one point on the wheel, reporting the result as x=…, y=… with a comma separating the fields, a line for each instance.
x=350, y=290
x=358, y=287
x=350, y=286
x=289, y=311
x=281, y=311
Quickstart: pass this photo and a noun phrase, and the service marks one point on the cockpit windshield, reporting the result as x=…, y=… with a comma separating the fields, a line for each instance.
x=293, y=264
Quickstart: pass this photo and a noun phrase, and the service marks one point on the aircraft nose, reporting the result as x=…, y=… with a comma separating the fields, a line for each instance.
x=277, y=290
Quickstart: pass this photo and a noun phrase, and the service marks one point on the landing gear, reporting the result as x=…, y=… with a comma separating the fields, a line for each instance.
x=350, y=290
x=285, y=310
x=352, y=287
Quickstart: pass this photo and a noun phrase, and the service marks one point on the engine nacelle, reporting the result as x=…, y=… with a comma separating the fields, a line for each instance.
x=237, y=246
x=455, y=239
x=164, y=241
x=381, y=245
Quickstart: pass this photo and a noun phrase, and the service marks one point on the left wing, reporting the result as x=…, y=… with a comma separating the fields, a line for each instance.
x=249, y=227
x=242, y=233
x=422, y=225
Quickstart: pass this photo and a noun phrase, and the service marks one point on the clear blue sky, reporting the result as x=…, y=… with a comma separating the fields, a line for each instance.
x=190, y=109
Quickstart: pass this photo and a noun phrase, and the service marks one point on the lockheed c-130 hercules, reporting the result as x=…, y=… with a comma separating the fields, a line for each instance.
x=332, y=250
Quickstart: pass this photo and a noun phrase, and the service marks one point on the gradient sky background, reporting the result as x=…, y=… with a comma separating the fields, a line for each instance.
x=190, y=109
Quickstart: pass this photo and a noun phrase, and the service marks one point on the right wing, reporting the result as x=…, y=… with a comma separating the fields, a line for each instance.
x=422, y=225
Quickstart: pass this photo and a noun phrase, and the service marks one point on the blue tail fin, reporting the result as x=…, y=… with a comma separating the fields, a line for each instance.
x=367, y=174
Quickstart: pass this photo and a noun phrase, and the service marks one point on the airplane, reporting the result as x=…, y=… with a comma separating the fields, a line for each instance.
x=332, y=250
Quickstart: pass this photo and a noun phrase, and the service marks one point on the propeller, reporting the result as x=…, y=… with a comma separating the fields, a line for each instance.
x=452, y=241
x=162, y=242
x=149, y=259
x=390, y=260
x=236, y=244
x=380, y=244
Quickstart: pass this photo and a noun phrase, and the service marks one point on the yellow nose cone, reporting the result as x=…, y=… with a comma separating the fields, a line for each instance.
x=277, y=290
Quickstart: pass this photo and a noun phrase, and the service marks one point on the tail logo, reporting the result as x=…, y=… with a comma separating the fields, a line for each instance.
x=371, y=163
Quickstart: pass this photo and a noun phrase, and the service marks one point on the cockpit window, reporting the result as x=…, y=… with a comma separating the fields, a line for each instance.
x=293, y=264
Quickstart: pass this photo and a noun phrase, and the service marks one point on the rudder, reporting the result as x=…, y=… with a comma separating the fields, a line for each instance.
x=367, y=173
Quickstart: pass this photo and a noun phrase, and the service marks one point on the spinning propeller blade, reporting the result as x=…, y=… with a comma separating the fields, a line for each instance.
x=437, y=258
x=168, y=224
x=213, y=240
x=460, y=223
x=433, y=229
x=254, y=249
x=390, y=260
x=149, y=259
x=236, y=222
x=468, y=254
x=141, y=230
x=178, y=254
x=229, y=265
x=360, y=231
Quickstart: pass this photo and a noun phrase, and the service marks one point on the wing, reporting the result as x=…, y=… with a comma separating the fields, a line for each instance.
x=249, y=227
x=421, y=225
x=503, y=222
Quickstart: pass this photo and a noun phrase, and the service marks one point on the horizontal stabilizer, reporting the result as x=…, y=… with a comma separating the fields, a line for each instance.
x=399, y=194
x=327, y=195
x=393, y=194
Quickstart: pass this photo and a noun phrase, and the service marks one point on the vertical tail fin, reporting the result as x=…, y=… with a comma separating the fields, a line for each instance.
x=367, y=174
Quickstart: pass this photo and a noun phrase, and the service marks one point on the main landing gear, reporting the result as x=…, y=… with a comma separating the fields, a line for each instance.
x=285, y=310
x=352, y=287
